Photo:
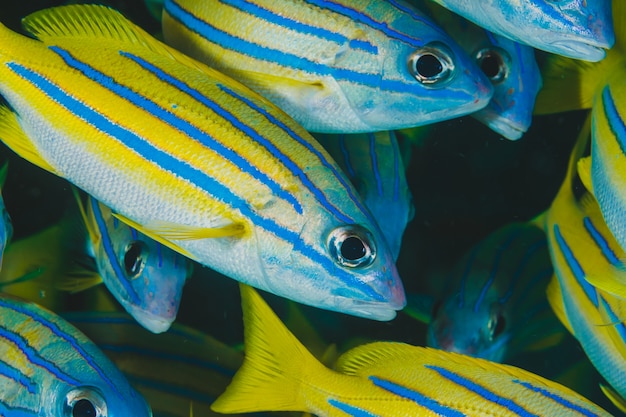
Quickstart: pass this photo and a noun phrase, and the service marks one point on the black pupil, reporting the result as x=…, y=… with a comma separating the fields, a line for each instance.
x=490, y=65
x=352, y=248
x=84, y=408
x=132, y=259
x=428, y=66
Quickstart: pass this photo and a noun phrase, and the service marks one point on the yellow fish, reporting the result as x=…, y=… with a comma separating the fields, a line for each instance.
x=192, y=159
x=382, y=379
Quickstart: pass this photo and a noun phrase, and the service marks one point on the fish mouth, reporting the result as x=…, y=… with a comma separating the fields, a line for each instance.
x=507, y=128
x=579, y=49
x=154, y=323
x=373, y=310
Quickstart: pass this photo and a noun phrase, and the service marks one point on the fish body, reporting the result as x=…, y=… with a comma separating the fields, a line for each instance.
x=145, y=277
x=510, y=66
x=6, y=227
x=48, y=368
x=382, y=379
x=494, y=303
x=582, y=248
x=335, y=67
x=192, y=159
x=374, y=164
x=580, y=29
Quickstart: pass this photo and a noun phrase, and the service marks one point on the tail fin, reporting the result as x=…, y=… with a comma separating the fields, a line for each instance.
x=275, y=364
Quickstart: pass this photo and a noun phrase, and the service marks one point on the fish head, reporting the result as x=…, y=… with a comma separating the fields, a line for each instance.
x=145, y=277
x=423, y=77
x=480, y=332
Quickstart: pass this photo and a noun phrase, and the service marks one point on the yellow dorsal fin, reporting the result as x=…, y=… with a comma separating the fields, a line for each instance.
x=617, y=400
x=275, y=364
x=584, y=172
x=94, y=236
x=553, y=291
x=14, y=137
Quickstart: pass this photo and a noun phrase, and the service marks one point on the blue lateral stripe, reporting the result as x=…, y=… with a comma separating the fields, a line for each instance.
x=182, y=125
x=186, y=172
x=112, y=259
x=557, y=398
x=358, y=16
x=617, y=322
x=34, y=358
x=66, y=337
x=616, y=124
x=16, y=375
x=306, y=144
x=7, y=411
x=297, y=26
x=225, y=114
x=297, y=63
x=602, y=243
x=413, y=395
x=415, y=16
x=350, y=409
x=346, y=156
x=575, y=268
x=478, y=389
x=374, y=163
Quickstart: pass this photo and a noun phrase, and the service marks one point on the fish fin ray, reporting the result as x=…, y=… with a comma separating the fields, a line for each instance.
x=78, y=281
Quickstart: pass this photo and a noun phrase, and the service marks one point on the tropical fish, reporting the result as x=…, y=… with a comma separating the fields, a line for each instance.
x=145, y=277
x=494, y=303
x=578, y=29
x=510, y=66
x=49, y=368
x=6, y=227
x=192, y=159
x=571, y=85
x=373, y=163
x=335, y=67
x=581, y=247
x=382, y=379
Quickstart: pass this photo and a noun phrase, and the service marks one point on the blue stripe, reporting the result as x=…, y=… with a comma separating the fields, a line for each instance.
x=575, y=267
x=417, y=397
x=492, y=39
x=602, y=244
x=18, y=376
x=110, y=252
x=7, y=411
x=182, y=125
x=557, y=398
x=414, y=15
x=374, y=163
x=133, y=232
x=350, y=409
x=615, y=321
x=346, y=156
x=160, y=255
x=297, y=26
x=488, y=395
x=66, y=337
x=187, y=173
x=616, y=124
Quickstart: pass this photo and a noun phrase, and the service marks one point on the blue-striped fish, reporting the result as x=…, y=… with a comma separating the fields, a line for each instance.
x=144, y=276
x=336, y=67
x=382, y=379
x=374, y=164
x=494, y=303
x=510, y=66
x=6, y=227
x=578, y=29
x=192, y=159
x=48, y=368
x=581, y=247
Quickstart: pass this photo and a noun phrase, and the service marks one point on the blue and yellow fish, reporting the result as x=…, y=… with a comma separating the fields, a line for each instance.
x=578, y=29
x=373, y=163
x=382, y=379
x=48, y=368
x=582, y=247
x=336, y=67
x=192, y=159
x=493, y=304
x=145, y=277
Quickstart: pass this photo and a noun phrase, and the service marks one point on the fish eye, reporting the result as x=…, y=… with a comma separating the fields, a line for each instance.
x=135, y=258
x=497, y=325
x=432, y=65
x=84, y=402
x=352, y=246
x=494, y=63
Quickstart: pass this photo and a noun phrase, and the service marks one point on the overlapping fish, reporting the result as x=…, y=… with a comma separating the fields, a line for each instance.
x=382, y=379
x=48, y=368
x=192, y=159
x=336, y=67
x=578, y=29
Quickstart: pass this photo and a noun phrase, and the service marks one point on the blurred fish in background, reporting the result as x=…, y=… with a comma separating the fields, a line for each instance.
x=6, y=227
x=580, y=29
x=340, y=67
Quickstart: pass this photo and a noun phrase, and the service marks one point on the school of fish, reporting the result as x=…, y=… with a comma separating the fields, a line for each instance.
x=205, y=150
